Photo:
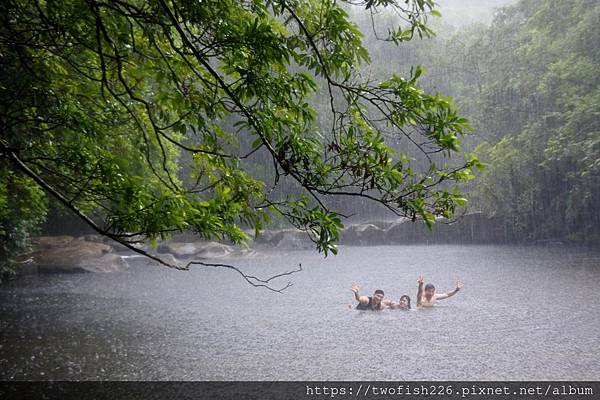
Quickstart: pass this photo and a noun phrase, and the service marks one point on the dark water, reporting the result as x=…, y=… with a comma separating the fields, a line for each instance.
x=524, y=313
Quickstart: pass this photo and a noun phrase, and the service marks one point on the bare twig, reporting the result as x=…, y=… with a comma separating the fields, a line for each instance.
x=252, y=280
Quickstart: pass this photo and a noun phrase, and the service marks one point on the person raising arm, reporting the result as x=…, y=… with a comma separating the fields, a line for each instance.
x=426, y=295
x=420, y=281
x=442, y=296
x=374, y=303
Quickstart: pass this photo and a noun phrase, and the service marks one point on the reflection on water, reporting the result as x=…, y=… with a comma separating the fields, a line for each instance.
x=524, y=313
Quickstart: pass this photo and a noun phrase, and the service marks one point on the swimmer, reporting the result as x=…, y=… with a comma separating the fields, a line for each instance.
x=373, y=303
x=427, y=297
x=402, y=304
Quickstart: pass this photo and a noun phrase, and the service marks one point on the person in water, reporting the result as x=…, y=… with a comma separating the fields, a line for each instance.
x=426, y=296
x=402, y=304
x=374, y=302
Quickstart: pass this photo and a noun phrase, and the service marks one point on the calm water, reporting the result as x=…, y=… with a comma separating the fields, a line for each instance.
x=524, y=313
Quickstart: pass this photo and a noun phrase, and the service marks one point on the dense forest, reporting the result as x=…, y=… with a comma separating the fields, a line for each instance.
x=528, y=83
x=295, y=113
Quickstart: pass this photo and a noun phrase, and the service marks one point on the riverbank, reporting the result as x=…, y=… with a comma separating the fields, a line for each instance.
x=97, y=254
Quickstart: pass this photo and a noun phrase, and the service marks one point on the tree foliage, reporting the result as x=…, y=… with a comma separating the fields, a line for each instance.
x=146, y=118
x=536, y=103
x=22, y=209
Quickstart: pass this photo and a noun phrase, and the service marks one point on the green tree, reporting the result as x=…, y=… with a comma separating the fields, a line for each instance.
x=146, y=118
x=22, y=209
x=530, y=85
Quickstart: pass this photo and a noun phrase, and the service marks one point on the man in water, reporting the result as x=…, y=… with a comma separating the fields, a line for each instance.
x=373, y=303
x=428, y=296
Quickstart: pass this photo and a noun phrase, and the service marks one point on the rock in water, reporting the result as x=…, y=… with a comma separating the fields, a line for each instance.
x=202, y=250
x=288, y=239
x=106, y=263
x=294, y=240
x=363, y=235
x=182, y=249
x=168, y=258
x=51, y=241
x=67, y=254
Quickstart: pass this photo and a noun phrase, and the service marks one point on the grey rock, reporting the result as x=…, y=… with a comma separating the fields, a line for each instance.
x=186, y=250
x=68, y=254
x=285, y=239
x=363, y=235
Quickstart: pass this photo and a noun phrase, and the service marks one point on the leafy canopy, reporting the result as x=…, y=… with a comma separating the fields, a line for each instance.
x=149, y=117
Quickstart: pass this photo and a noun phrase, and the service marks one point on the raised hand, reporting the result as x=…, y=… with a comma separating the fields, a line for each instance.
x=421, y=280
x=459, y=284
x=355, y=289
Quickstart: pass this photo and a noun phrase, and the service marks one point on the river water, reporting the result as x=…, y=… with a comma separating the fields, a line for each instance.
x=524, y=313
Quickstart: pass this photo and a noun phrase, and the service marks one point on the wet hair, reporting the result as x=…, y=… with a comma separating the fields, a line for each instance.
x=379, y=291
x=429, y=286
x=407, y=297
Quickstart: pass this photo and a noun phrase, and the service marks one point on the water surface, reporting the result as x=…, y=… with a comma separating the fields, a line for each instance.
x=525, y=313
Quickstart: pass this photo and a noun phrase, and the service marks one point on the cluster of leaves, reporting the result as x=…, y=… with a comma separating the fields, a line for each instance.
x=22, y=208
x=102, y=103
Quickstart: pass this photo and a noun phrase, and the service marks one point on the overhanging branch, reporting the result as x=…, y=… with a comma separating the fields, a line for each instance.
x=251, y=279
